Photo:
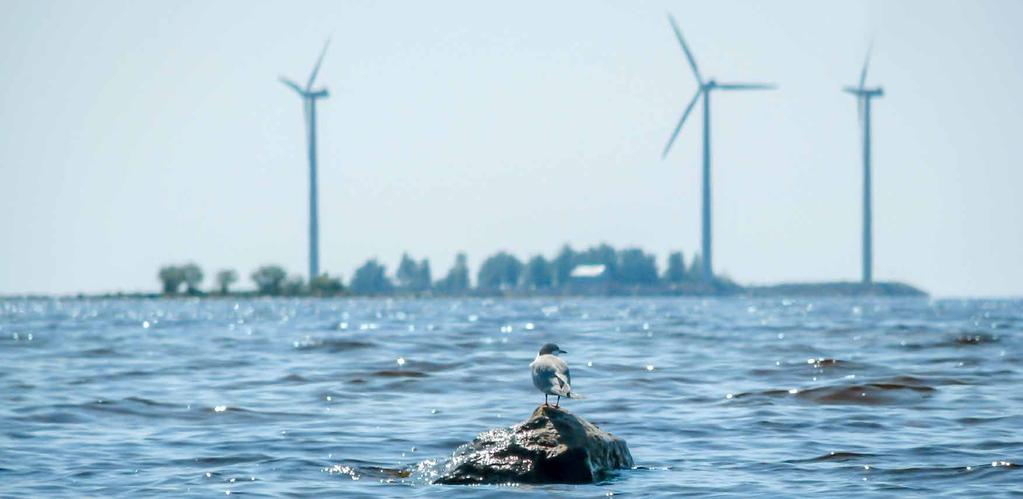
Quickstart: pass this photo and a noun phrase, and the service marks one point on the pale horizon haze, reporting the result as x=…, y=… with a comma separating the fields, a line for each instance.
x=139, y=134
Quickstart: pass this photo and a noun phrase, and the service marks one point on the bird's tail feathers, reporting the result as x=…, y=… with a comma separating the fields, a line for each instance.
x=574, y=395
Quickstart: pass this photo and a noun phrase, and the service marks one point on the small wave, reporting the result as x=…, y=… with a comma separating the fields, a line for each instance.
x=965, y=339
x=354, y=471
x=136, y=406
x=975, y=471
x=80, y=413
x=399, y=373
x=828, y=362
x=427, y=366
x=99, y=352
x=223, y=460
x=820, y=364
x=139, y=407
x=131, y=402
x=331, y=345
x=293, y=378
x=980, y=420
x=897, y=390
x=55, y=417
x=145, y=401
x=974, y=339
x=866, y=394
x=839, y=456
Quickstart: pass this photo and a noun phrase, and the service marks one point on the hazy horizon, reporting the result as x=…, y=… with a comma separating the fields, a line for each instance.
x=139, y=134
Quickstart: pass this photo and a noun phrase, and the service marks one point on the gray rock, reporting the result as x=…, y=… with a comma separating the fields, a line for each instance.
x=552, y=446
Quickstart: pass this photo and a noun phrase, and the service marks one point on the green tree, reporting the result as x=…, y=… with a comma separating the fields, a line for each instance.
x=371, y=279
x=225, y=278
x=538, y=274
x=457, y=279
x=324, y=285
x=293, y=286
x=407, y=273
x=425, y=276
x=171, y=278
x=500, y=271
x=193, y=276
x=636, y=267
x=269, y=279
x=676, y=271
x=413, y=276
x=563, y=265
x=695, y=268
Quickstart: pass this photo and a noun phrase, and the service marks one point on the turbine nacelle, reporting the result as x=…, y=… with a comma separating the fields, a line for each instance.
x=321, y=93
x=318, y=94
x=864, y=92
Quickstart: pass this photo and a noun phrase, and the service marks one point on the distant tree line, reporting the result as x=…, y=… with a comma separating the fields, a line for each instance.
x=599, y=269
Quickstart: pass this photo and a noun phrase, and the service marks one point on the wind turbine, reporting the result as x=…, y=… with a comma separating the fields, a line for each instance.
x=706, y=87
x=863, y=98
x=309, y=97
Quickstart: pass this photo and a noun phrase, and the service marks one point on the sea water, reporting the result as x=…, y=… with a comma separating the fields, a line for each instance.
x=369, y=397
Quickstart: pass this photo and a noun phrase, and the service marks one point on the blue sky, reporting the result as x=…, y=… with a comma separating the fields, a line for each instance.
x=135, y=134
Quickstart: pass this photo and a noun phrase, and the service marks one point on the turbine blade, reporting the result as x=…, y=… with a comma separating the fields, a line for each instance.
x=747, y=86
x=853, y=90
x=685, y=48
x=681, y=121
x=294, y=86
x=316, y=69
x=866, y=63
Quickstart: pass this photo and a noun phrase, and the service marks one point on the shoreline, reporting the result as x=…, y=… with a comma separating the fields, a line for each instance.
x=780, y=290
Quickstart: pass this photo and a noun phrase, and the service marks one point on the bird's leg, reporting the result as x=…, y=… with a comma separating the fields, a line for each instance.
x=545, y=399
x=558, y=403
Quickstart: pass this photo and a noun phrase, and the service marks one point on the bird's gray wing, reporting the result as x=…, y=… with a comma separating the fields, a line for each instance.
x=563, y=375
x=563, y=385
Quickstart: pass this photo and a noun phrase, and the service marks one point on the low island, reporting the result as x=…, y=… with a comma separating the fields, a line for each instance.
x=600, y=270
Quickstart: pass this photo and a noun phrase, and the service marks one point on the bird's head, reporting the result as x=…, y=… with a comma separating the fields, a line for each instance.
x=551, y=349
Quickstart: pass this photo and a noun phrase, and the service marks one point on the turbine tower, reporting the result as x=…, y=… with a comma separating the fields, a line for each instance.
x=309, y=97
x=705, y=89
x=863, y=98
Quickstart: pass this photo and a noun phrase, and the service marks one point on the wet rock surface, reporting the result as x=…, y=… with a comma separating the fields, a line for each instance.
x=552, y=446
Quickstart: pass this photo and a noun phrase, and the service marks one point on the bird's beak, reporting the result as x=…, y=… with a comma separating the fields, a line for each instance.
x=561, y=351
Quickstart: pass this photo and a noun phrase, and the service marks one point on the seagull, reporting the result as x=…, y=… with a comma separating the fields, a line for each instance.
x=551, y=375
